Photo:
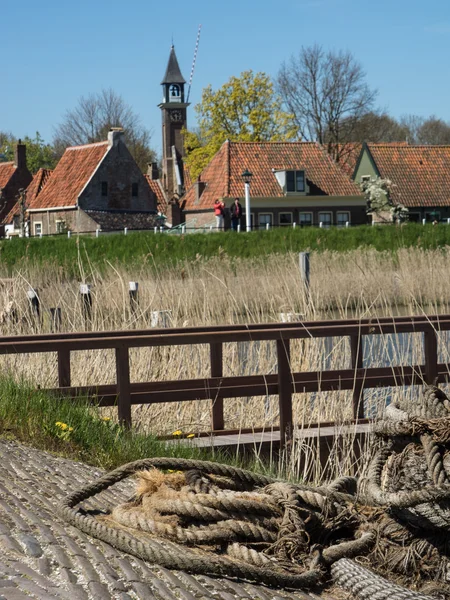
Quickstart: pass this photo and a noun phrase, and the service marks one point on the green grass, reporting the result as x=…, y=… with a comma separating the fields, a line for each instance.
x=30, y=415
x=163, y=250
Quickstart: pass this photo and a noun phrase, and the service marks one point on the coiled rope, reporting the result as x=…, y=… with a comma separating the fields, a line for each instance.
x=209, y=518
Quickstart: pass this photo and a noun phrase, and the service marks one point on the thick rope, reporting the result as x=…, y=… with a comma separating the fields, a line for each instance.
x=256, y=528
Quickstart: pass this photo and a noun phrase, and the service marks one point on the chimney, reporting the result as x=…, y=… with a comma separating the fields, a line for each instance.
x=115, y=135
x=152, y=170
x=199, y=189
x=20, y=155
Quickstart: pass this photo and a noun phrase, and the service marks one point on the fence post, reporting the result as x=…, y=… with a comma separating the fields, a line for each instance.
x=424, y=221
x=69, y=234
x=285, y=392
x=357, y=352
x=123, y=385
x=304, y=268
x=216, y=352
x=97, y=231
x=183, y=229
x=125, y=230
x=431, y=356
x=294, y=225
x=64, y=368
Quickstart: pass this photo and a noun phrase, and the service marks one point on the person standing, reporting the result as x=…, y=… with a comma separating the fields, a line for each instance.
x=219, y=207
x=236, y=214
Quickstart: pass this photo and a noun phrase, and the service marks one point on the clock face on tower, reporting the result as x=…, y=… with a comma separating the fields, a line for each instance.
x=176, y=116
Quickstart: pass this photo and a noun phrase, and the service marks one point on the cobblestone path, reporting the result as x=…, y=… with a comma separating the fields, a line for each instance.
x=42, y=557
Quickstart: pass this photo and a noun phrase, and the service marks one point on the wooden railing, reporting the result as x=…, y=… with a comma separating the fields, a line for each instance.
x=218, y=387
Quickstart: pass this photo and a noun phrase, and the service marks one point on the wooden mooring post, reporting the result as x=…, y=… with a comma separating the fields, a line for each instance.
x=86, y=301
x=304, y=269
x=134, y=296
x=35, y=303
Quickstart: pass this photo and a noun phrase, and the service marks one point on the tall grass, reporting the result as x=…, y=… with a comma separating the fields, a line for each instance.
x=159, y=251
x=224, y=289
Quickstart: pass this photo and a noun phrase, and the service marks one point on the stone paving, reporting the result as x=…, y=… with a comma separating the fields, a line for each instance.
x=42, y=557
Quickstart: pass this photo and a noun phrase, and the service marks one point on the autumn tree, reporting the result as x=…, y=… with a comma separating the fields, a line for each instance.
x=327, y=94
x=92, y=118
x=245, y=108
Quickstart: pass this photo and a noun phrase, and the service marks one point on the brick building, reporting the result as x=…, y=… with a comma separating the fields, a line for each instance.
x=95, y=186
x=14, y=176
x=293, y=182
x=420, y=177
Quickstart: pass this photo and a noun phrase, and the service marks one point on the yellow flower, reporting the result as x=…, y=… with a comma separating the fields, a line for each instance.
x=106, y=419
x=58, y=423
x=64, y=426
x=177, y=432
x=190, y=435
x=70, y=428
x=170, y=471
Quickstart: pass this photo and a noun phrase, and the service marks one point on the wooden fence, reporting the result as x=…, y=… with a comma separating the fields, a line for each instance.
x=218, y=387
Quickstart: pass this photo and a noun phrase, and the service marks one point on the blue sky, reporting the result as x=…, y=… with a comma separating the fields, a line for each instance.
x=53, y=52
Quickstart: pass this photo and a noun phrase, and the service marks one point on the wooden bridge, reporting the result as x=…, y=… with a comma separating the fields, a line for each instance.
x=218, y=387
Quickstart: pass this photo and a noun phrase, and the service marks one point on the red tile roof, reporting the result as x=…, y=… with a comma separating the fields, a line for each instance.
x=156, y=187
x=33, y=190
x=420, y=174
x=223, y=174
x=6, y=171
x=71, y=174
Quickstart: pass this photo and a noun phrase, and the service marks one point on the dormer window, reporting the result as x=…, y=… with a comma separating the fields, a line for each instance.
x=174, y=93
x=292, y=181
x=295, y=181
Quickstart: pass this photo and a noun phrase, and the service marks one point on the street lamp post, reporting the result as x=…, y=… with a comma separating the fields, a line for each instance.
x=247, y=176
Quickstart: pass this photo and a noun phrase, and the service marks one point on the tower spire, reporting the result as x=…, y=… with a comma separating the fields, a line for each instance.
x=173, y=73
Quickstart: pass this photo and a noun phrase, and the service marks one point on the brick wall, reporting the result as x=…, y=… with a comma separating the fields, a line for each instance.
x=119, y=171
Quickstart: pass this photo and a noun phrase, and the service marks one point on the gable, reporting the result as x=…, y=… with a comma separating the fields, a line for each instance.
x=70, y=176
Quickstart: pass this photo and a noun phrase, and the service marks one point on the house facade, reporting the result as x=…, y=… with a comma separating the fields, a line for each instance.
x=292, y=182
x=95, y=186
x=420, y=177
x=14, y=176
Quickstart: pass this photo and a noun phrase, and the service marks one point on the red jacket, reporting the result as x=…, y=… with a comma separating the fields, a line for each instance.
x=218, y=208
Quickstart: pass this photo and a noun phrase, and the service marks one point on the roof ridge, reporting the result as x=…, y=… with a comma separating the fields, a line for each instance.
x=405, y=145
x=92, y=145
x=8, y=162
x=271, y=142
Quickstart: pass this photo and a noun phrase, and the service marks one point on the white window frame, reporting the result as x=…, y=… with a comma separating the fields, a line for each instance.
x=306, y=212
x=343, y=212
x=285, y=212
x=325, y=212
x=34, y=227
x=365, y=178
x=57, y=221
x=269, y=214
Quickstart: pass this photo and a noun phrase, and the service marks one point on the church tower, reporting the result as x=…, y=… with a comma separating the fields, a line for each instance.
x=174, y=119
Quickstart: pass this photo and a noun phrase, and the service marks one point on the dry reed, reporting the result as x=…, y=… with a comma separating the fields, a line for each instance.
x=362, y=283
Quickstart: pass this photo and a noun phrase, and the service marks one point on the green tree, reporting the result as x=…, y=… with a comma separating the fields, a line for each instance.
x=39, y=154
x=245, y=109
